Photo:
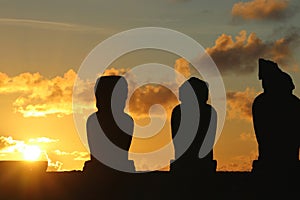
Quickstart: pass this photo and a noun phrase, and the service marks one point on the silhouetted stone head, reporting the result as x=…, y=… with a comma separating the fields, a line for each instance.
x=274, y=80
x=199, y=88
x=267, y=69
x=111, y=91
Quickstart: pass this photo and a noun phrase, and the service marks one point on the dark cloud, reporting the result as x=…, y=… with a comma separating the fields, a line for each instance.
x=240, y=55
x=146, y=96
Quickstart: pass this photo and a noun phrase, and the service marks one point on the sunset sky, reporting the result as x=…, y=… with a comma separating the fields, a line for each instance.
x=43, y=44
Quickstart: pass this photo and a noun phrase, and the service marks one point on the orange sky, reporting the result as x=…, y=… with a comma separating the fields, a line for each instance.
x=43, y=46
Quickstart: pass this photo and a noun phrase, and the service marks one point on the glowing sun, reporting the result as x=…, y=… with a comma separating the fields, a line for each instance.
x=32, y=152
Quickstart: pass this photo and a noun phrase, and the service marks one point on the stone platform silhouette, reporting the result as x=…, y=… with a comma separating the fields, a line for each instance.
x=27, y=184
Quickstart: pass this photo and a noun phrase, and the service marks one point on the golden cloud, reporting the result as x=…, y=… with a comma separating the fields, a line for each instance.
x=59, y=160
x=54, y=165
x=241, y=55
x=239, y=104
x=248, y=137
x=238, y=163
x=6, y=142
x=150, y=165
x=40, y=96
x=261, y=9
x=182, y=66
x=115, y=71
x=146, y=96
x=77, y=155
x=42, y=140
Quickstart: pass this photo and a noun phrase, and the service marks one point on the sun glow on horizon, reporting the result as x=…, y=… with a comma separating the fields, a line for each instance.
x=32, y=152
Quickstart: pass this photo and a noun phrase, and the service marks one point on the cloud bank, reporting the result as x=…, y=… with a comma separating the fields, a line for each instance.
x=240, y=56
x=40, y=96
x=239, y=104
x=261, y=10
